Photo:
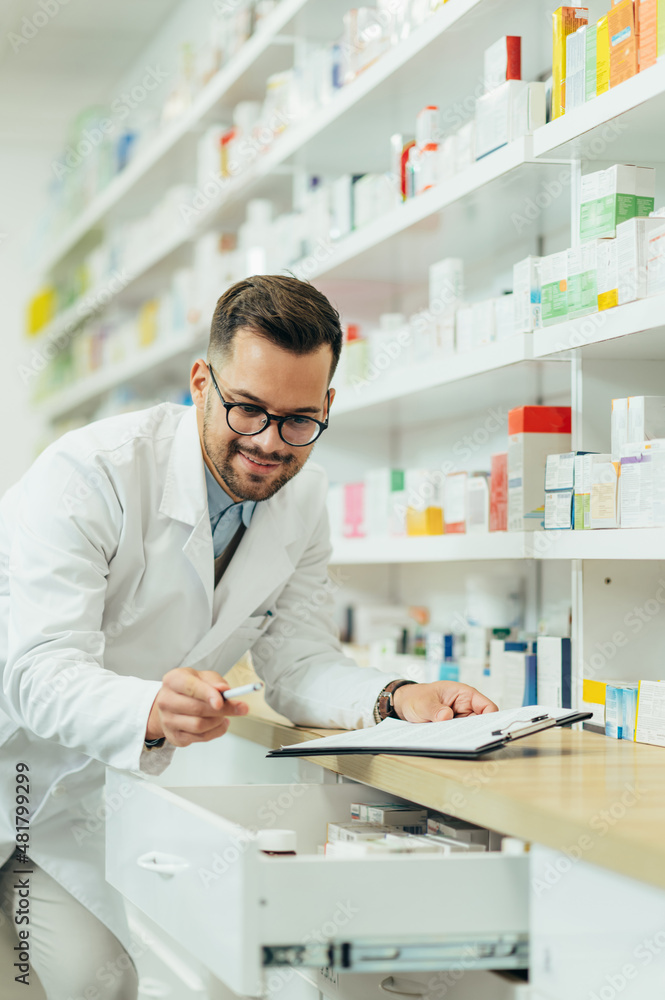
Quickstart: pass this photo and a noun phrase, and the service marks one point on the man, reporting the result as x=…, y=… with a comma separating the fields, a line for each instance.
x=143, y=555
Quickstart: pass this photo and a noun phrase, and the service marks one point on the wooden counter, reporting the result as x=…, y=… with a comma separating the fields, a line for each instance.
x=599, y=799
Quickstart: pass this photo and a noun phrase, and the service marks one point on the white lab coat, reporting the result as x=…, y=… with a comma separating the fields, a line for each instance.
x=106, y=583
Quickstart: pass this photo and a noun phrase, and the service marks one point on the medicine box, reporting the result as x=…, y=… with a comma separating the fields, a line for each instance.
x=454, y=503
x=527, y=295
x=650, y=30
x=502, y=61
x=623, y=41
x=424, y=499
x=457, y=829
x=354, y=510
x=494, y=117
x=632, y=255
x=603, y=492
x=477, y=503
x=384, y=488
x=610, y=197
x=646, y=418
x=529, y=109
x=554, y=671
x=483, y=323
x=607, y=274
x=656, y=260
x=534, y=432
x=464, y=329
x=636, y=487
x=650, y=713
x=504, y=316
x=446, y=285
x=590, y=36
x=554, y=288
x=559, y=510
x=498, y=511
x=391, y=814
x=582, y=491
x=602, y=55
x=581, y=281
x=576, y=68
x=565, y=20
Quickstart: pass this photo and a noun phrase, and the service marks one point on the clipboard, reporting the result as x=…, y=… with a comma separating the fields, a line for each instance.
x=498, y=739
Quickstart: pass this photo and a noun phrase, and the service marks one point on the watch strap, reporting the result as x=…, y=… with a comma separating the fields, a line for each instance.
x=384, y=708
x=154, y=744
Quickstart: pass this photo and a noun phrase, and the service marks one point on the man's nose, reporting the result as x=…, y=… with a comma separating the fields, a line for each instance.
x=268, y=440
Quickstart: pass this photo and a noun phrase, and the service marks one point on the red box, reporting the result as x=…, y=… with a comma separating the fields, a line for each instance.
x=539, y=420
x=499, y=492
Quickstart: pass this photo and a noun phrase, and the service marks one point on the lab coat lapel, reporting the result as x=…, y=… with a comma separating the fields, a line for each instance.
x=185, y=499
x=260, y=565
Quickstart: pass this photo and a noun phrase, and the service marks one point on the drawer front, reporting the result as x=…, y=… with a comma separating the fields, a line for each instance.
x=188, y=859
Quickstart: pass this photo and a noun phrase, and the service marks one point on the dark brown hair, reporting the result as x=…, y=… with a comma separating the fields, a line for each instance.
x=289, y=312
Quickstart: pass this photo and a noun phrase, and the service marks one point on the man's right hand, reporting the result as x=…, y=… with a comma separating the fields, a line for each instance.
x=190, y=709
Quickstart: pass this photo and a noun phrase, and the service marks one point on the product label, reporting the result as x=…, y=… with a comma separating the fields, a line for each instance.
x=555, y=301
x=590, y=63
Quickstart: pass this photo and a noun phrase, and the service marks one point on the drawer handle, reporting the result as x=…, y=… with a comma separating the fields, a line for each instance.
x=164, y=864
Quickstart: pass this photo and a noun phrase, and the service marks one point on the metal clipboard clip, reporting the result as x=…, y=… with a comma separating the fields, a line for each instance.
x=531, y=726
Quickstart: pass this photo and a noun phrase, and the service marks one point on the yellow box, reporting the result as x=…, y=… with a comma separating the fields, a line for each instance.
x=602, y=56
x=428, y=521
x=40, y=311
x=147, y=323
x=565, y=20
x=593, y=691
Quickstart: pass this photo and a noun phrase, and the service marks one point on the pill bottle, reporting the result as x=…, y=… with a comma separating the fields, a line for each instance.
x=277, y=843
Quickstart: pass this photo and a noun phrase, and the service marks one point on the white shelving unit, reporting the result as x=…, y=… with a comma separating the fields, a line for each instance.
x=422, y=413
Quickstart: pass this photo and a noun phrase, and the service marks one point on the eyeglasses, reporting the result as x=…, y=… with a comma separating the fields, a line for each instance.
x=248, y=419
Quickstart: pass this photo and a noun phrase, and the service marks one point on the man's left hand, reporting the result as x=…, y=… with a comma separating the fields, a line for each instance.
x=439, y=701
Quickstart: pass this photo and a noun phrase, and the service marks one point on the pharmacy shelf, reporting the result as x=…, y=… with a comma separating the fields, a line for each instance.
x=619, y=543
x=370, y=108
x=252, y=57
x=400, y=381
x=433, y=548
x=646, y=543
x=619, y=125
x=152, y=363
x=483, y=383
x=399, y=246
x=634, y=331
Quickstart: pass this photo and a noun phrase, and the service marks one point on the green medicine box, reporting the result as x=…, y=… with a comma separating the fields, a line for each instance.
x=554, y=287
x=610, y=197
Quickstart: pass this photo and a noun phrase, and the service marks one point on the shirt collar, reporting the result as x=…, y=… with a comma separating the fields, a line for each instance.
x=219, y=501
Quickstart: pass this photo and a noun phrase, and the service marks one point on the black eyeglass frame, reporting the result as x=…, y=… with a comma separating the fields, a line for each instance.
x=322, y=424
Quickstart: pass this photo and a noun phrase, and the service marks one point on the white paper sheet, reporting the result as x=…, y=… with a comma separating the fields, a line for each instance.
x=464, y=734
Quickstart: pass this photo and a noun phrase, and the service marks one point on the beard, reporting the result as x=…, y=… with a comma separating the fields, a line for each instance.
x=245, y=485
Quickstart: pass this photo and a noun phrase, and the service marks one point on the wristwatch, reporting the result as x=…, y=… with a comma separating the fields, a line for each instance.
x=384, y=707
x=154, y=744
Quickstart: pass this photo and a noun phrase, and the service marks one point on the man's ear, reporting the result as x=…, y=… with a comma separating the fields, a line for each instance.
x=199, y=383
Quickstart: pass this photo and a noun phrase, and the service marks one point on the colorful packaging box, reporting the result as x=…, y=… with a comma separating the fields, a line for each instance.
x=477, y=503
x=623, y=42
x=650, y=28
x=534, y=432
x=384, y=489
x=607, y=274
x=603, y=512
x=527, y=295
x=454, y=503
x=656, y=260
x=502, y=61
x=636, y=487
x=602, y=56
x=354, y=510
x=590, y=69
x=554, y=288
x=498, y=516
x=582, y=488
x=610, y=197
x=424, y=512
x=581, y=281
x=576, y=68
x=554, y=671
x=565, y=20
x=632, y=257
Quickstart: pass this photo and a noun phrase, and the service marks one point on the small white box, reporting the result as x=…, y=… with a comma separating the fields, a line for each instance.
x=494, y=117
x=477, y=503
x=603, y=499
x=465, y=147
x=464, y=329
x=527, y=295
x=528, y=110
x=632, y=250
x=446, y=285
x=484, y=328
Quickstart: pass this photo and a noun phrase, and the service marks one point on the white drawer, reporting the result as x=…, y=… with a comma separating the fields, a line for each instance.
x=188, y=858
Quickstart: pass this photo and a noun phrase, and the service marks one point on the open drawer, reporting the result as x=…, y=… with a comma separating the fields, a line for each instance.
x=188, y=858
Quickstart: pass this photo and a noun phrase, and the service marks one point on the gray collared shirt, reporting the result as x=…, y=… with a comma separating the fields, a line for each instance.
x=225, y=515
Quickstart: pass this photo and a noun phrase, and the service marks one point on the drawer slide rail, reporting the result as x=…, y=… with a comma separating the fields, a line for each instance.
x=509, y=951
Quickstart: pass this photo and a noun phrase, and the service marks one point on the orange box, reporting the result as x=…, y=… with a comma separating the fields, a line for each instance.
x=646, y=28
x=623, y=42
